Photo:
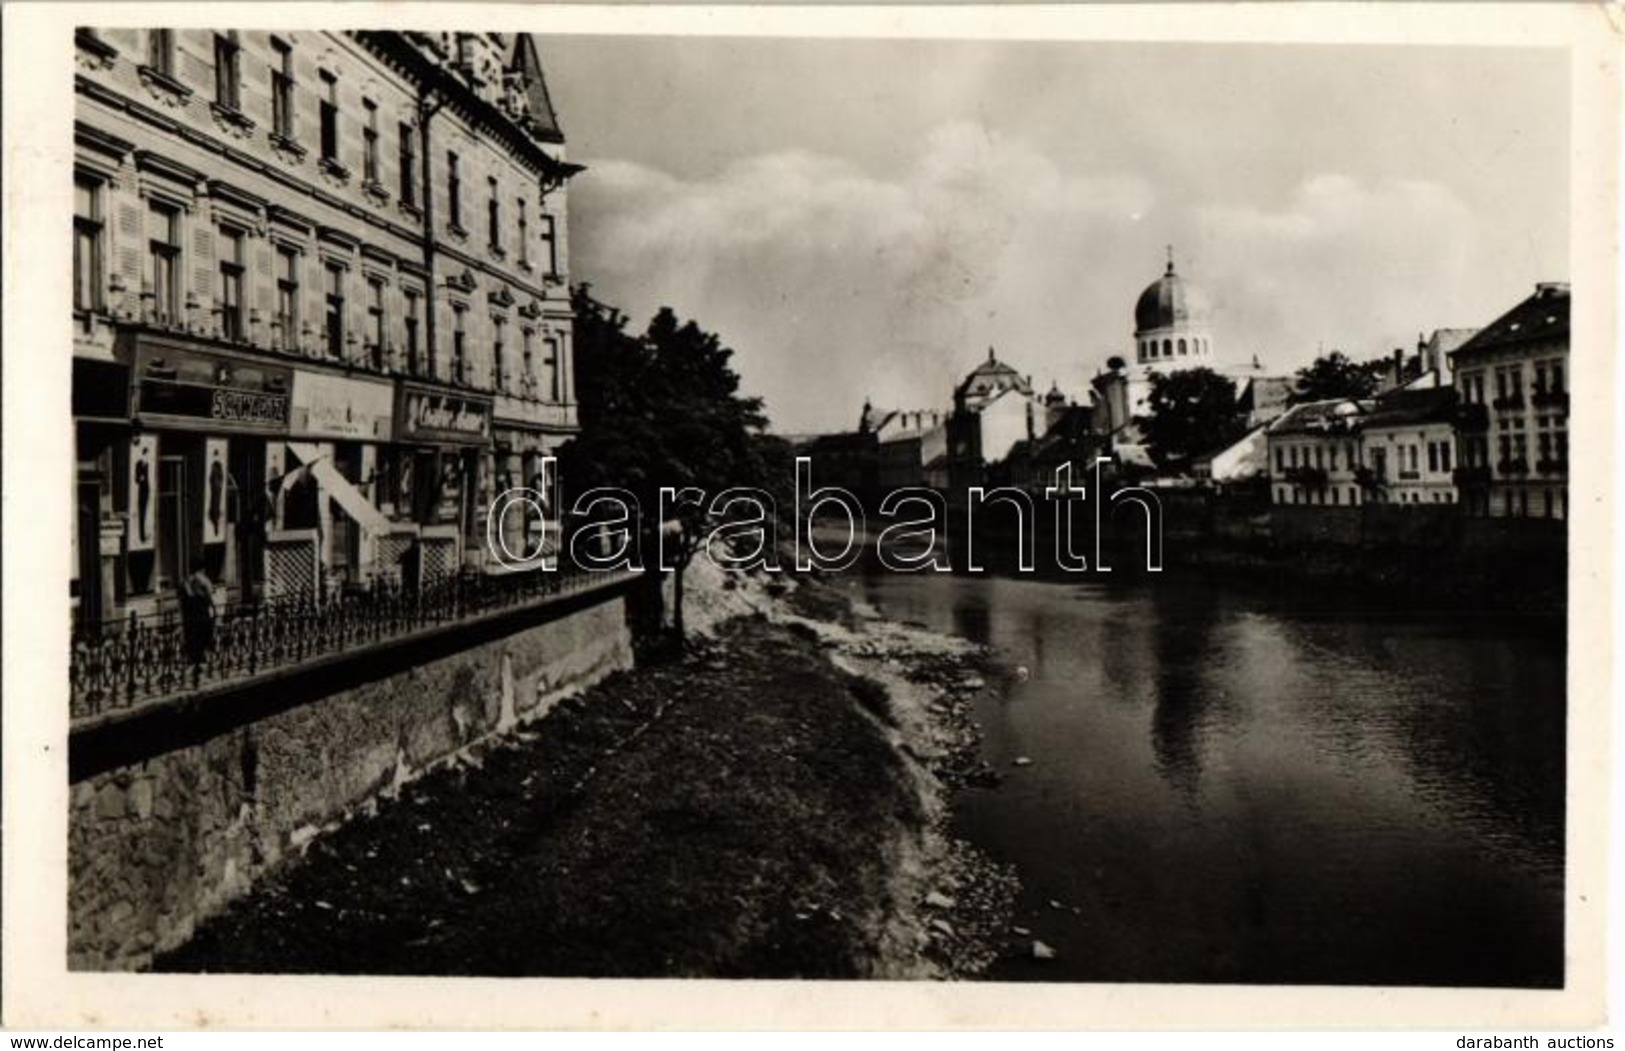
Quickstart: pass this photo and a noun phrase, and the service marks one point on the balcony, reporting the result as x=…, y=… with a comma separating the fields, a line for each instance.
x=1307, y=477
x=1472, y=416
x=1551, y=465
x=1516, y=465
x=1556, y=399
x=120, y=665
x=1509, y=403
x=1410, y=476
x=1369, y=479
x=1465, y=477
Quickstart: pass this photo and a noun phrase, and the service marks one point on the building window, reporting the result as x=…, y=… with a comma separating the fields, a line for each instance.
x=369, y=141
x=1557, y=377
x=524, y=235
x=282, y=122
x=527, y=375
x=1444, y=455
x=231, y=284
x=164, y=261
x=1433, y=457
x=555, y=384
x=1182, y=349
x=454, y=190
x=459, y=337
x=375, y=321
x=1280, y=459
x=227, y=55
x=499, y=372
x=493, y=219
x=287, y=297
x=412, y=362
x=550, y=245
x=409, y=166
x=335, y=310
x=161, y=51
x=87, y=244
x=330, y=117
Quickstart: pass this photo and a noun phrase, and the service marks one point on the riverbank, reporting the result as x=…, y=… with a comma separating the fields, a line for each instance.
x=773, y=805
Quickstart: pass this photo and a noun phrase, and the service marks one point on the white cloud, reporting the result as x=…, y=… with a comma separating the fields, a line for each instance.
x=1354, y=265
x=833, y=283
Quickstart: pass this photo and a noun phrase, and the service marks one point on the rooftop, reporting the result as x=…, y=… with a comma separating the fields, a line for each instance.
x=1542, y=316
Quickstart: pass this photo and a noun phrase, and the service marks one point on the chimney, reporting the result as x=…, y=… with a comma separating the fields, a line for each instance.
x=1399, y=367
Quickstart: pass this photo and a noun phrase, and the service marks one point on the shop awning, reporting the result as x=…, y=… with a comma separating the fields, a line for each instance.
x=352, y=500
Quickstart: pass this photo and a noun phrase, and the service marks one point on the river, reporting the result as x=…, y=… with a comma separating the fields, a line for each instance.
x=1221, y=785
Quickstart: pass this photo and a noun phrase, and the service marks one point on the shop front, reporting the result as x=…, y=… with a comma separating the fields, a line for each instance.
x=443, y=481
x=101, y=416
x=193, y=468
x=333, y=529
x=525, y=433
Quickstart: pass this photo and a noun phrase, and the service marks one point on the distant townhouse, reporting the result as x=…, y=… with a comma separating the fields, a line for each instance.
x=908, y=441
x=1408, y=440
x=1314, y=454
x=1513, y=429
x=319, y=306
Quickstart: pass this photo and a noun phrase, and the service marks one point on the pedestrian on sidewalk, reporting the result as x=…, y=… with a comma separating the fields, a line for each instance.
x=197, y=612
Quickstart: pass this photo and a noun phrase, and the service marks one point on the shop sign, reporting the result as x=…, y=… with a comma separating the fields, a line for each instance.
x=442, y=416
x=326, y=406
x=175, y=385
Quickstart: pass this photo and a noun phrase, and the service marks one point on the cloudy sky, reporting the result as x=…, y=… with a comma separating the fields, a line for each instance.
x=863, y=218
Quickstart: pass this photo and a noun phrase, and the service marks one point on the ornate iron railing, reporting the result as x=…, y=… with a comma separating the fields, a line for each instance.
x=120, y=664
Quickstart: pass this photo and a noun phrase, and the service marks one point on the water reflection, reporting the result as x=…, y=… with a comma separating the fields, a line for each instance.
x=1226, y=790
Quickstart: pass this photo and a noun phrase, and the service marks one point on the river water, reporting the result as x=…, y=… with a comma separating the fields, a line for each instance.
x=1228, y=786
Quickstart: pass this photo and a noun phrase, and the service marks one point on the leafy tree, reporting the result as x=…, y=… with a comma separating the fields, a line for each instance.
x=1192, y=411
x=1334, y=375
x=661, y=410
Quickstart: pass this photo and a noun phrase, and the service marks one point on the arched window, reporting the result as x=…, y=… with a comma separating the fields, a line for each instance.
x=1182, y=350
x=1167, y=348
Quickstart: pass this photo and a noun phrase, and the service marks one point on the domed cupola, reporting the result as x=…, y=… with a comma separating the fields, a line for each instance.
x=1169, y=322
x=990, y=379
x=1162, y=304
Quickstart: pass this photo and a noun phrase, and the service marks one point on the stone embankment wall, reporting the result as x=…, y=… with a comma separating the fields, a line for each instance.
x=160, y=841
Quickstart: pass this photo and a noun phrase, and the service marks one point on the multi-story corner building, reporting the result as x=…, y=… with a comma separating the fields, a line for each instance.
x=320, y=305
x=1408, y=446
x=1513, y=429
x=1315, y=456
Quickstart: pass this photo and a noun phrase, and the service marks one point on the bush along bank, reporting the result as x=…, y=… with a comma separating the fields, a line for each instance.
x=772, y=805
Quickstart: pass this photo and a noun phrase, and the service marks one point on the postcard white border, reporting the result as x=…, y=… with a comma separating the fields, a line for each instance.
x=39, y=992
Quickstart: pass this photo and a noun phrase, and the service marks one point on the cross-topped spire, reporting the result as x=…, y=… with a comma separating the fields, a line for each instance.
x=1170, y=259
